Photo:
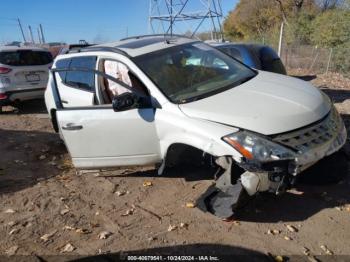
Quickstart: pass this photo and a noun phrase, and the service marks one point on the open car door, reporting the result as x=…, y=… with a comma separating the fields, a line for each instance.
x=97, y=136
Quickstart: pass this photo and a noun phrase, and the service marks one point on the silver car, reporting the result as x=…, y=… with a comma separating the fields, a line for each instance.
x=23, y=73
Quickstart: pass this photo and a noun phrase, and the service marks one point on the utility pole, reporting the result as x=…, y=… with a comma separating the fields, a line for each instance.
x=39, y=37
x=42, y=34
x=196, y=12
x=31, y=34
x=281, y=40
x=171, y=17
x=20, y=27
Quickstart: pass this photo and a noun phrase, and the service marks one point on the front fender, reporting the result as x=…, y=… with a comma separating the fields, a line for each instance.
x=204, y=135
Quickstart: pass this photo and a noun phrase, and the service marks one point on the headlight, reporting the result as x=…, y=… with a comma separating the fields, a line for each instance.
x=253, y=147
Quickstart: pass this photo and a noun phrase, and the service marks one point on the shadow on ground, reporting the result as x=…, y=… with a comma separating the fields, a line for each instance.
x=337, y=95
x=20, y=164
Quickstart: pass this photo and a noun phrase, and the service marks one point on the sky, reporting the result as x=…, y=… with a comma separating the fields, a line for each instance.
x=95, y=21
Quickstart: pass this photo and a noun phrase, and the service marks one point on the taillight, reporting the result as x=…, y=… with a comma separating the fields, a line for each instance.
x=3, y=96
x=5, y=70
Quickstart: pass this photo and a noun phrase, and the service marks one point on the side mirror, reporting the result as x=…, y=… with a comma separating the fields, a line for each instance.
x=124, y=102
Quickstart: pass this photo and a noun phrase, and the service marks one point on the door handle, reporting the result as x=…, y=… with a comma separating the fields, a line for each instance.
x=71, y=126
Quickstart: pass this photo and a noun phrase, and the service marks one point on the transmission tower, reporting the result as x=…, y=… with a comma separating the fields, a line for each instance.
x=165, y=16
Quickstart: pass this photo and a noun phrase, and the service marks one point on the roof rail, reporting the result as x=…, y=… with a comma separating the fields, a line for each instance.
x=164, y=35
x=104, y=49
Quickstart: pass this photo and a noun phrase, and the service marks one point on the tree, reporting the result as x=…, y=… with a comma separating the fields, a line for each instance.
x=257, y=19
x=252, y=18
x=331, y=28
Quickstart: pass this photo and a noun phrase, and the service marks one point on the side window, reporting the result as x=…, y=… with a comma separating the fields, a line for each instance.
x=62, y=64
x=79, y=79
x=128, y=81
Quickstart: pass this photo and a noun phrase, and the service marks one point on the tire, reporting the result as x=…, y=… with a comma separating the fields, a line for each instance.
x=20, y=106
x=329, y=170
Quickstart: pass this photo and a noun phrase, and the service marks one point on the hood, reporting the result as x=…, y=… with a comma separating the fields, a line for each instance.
x=267, y=104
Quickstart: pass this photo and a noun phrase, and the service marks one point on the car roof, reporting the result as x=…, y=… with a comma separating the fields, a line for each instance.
x=237, y=44
x=15, y=48
x=139, y=45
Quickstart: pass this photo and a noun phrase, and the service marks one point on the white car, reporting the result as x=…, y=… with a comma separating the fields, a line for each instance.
x=23, y=73
x=129, y=102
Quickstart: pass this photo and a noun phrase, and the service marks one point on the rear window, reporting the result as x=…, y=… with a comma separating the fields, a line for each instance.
x=233, y=52
x=25, y=58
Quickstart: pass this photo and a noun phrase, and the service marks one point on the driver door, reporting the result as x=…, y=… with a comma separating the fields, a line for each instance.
x=96, y=136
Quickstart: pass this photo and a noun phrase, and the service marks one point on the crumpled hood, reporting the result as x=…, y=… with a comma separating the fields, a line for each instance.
x=267, y=104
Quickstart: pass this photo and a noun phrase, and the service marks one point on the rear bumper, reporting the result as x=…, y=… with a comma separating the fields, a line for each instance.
x=5, y=102
x=21, y=95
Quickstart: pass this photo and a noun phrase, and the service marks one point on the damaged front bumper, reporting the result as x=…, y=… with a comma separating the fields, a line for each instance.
x=310, y=144
x=313, y=144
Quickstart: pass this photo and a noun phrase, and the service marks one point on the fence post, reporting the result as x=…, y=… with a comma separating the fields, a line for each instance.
x=281, y=39
x=313, y=61
x=329, y=60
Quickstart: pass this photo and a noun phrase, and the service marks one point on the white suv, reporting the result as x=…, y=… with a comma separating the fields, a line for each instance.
x=23, y=73
x=127, y=103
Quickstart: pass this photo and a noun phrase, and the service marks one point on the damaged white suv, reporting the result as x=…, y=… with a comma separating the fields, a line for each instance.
x=127, y=103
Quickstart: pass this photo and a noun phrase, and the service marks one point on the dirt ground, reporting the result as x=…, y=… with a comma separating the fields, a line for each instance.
x=49, y=209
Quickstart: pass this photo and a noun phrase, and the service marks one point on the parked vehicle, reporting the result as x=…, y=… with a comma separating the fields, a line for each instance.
x=71, y=47
x=23, y=73
x=131, y=102
x=260, y=57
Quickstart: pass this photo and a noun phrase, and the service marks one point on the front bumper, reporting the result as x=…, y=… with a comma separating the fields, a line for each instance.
x=310, y=157
x=310, y=144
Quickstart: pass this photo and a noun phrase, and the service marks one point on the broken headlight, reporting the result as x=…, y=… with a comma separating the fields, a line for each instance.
x=254, y=147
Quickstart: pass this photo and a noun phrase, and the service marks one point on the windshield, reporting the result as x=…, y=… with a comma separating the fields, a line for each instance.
x=190, y=72
x=25, y=58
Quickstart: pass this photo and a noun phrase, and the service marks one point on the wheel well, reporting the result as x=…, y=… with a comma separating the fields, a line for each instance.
x=179, y=153
x=54, y=120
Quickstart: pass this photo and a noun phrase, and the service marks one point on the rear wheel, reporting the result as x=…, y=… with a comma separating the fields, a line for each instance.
x=19, y=105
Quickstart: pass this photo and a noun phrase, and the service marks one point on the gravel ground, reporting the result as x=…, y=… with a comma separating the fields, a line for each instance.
x=48, y=209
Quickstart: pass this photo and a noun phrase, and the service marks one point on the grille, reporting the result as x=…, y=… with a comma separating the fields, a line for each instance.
x=312, y=136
